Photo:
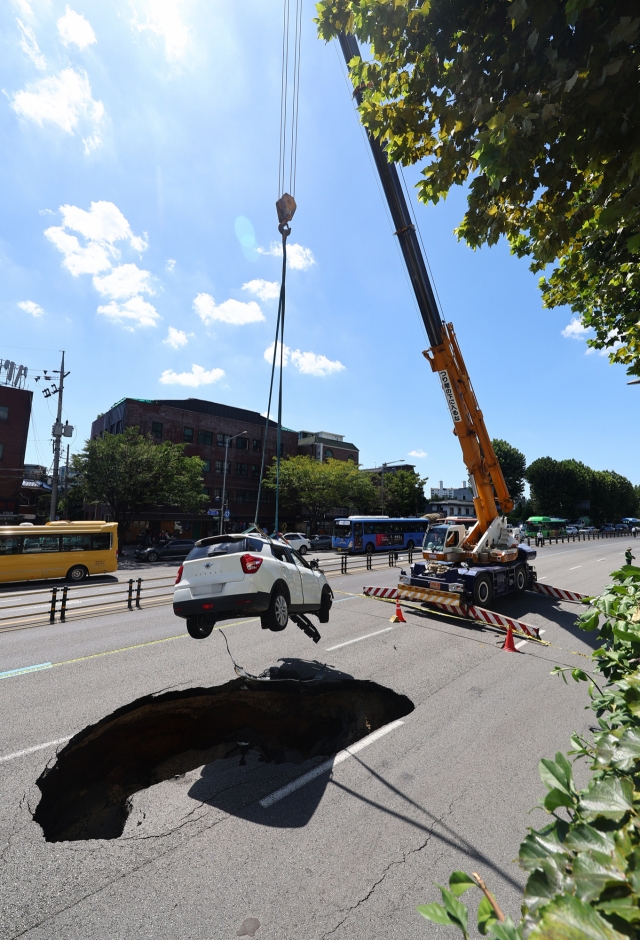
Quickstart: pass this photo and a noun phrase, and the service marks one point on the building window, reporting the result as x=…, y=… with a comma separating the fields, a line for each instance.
x=1, y=451
x=217, y=492
x=4, y=412
x=205, y=437
x=188, y=436
x=220, y=466
x=255, y=470
x=156, y=428
x=222, y=440
x=242, y=443
x=328, y=453
x=246, y=496
x=242, y=469
x=206, y=490
x=256, y=446
x=206, y=466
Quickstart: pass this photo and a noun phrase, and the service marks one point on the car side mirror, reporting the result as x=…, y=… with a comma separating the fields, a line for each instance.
x=314, y=563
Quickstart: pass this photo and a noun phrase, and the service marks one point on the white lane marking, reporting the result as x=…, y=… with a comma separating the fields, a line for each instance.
x=343, y=599
x=329, y=764
x=38, y=747
x=357, y=639
x=575, y=567
x=521, y=643
x=23, y=670
x=601, y=559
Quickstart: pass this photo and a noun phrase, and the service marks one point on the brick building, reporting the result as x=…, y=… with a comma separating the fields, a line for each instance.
x=15, y=413
x=204, y=426
x=323, y=446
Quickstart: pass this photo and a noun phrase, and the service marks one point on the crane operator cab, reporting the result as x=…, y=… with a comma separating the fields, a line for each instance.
x=443, y=542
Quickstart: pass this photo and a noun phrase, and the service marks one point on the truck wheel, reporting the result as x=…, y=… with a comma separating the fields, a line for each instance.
x=482, y=590
x=411, y=545
x=521, y=579
x=325, y=605
x=200, y=627
x=370, y=548
x=276, y=617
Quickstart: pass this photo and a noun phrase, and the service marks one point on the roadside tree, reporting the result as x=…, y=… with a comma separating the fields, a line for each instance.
x=404, y=493
x=513, y=464
x=535, y=107
x=316, y=487
x=128, y=472
x=559, y=487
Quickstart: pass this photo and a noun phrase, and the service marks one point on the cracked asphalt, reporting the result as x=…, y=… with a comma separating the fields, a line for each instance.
x=350, y=854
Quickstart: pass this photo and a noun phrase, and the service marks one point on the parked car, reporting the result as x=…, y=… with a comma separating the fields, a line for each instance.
x=228, y=576
x=608, y=527
x=321, y=543
x=572, y=530
x=588, y=528
x=622, y=527
x=173, y=550
x=298, y=541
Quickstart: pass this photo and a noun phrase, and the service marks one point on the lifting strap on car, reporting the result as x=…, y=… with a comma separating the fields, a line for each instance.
x=286, y=207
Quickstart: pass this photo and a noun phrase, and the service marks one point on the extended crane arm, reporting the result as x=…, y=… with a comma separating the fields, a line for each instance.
x=444, y=355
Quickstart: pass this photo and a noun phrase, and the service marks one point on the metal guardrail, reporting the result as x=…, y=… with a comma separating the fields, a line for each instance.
x=579, y=536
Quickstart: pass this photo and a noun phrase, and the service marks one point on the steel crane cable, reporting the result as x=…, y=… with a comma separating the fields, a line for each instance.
x=287, y=158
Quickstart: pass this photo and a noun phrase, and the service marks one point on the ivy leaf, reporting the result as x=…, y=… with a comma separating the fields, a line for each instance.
x=486, y=916
x=609, y=798
x=459, y=882
x=568, y=918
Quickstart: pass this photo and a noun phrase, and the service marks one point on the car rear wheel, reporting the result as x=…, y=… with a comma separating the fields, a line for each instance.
x=153, y=556
x=303, y=549
x=276, y=617
x=200, y=627
x=77, y=573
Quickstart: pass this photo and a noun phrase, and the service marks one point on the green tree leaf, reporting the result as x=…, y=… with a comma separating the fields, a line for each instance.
x=459, y=882
x=486, y=916
x=436, y=913
x=568, y=918
x=609, y=798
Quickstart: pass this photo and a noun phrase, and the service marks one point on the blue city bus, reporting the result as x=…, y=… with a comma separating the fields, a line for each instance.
x=359, y=534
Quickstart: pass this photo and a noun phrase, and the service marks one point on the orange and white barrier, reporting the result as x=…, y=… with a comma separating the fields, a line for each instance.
x=560, y=593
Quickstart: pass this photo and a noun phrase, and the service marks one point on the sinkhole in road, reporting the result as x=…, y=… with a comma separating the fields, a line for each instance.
x=86, y=793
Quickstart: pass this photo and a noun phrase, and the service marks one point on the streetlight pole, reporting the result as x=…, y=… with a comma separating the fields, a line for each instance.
x=227, y=441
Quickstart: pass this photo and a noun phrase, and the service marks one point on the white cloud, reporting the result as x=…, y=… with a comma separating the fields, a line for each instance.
x=24, y=8
x=176, y=338
x=575, y=329
x=124, y=281
x=231, y=311
x=163, y=19
x=299, y=258
x=197, y=376
x=74, y=29
x=30, y=307
x=102, y=226
x=29, y=45
x=136, y=311
x=308, y=363
x=171, y=263
x=64, y=100
x=417, y=453
x=265, y=290
x=78, y=259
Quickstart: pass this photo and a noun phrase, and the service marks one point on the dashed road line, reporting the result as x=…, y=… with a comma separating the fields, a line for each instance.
x=37, y=747
x=24, y=669
x=357, y=639
x=328, y=764
x=575, y=567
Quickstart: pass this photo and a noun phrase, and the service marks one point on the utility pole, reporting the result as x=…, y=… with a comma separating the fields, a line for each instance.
x=57, y=431
x=227, y=440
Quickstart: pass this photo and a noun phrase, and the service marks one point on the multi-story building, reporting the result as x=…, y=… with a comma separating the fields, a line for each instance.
x=204, y=427
x=324, y=446
x=15, y=413
x=452, y=501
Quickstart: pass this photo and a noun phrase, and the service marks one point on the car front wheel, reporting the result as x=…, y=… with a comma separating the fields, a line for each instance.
x=153, y=556
x=303, y=549
x=325, y=605
x=276, y=617
x=200, y=627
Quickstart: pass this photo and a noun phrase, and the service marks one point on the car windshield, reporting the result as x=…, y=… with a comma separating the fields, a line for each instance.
x=224, y=546
x=342, y=530
x=434, y=538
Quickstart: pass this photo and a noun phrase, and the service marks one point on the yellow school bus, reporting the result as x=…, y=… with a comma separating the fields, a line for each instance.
x=71, y=550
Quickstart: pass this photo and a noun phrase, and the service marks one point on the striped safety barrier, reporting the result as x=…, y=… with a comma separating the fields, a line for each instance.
x=560, y=593
x=454, y=605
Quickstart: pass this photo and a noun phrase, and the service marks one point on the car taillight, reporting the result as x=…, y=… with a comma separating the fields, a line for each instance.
x=179, y=574
x=250, y=563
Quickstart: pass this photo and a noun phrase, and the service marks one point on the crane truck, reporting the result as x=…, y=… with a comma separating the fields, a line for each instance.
x=487, y=561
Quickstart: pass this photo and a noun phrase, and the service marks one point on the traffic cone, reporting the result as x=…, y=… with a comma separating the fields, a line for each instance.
x=508, y=644
x=398, y=617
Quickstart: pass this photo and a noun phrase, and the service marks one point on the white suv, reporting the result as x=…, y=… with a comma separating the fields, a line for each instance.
x=298, y=541
x=235, y=575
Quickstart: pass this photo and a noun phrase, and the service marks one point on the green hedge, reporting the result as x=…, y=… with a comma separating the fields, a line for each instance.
x=584, y=866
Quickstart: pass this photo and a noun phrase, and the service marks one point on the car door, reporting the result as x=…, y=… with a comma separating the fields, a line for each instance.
x=311, y=582
x=290, y=573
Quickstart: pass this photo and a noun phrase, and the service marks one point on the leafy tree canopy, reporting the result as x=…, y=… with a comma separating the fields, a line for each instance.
x=565, y=488
x=128, y=472
x=513, y=464
x=319, y=486
x=536, y=107
x=404, y=493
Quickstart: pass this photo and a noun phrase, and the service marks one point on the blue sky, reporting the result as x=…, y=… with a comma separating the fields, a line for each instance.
x=139, y=173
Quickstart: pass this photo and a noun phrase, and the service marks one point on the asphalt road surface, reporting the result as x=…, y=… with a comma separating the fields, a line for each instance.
x=350, y=854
